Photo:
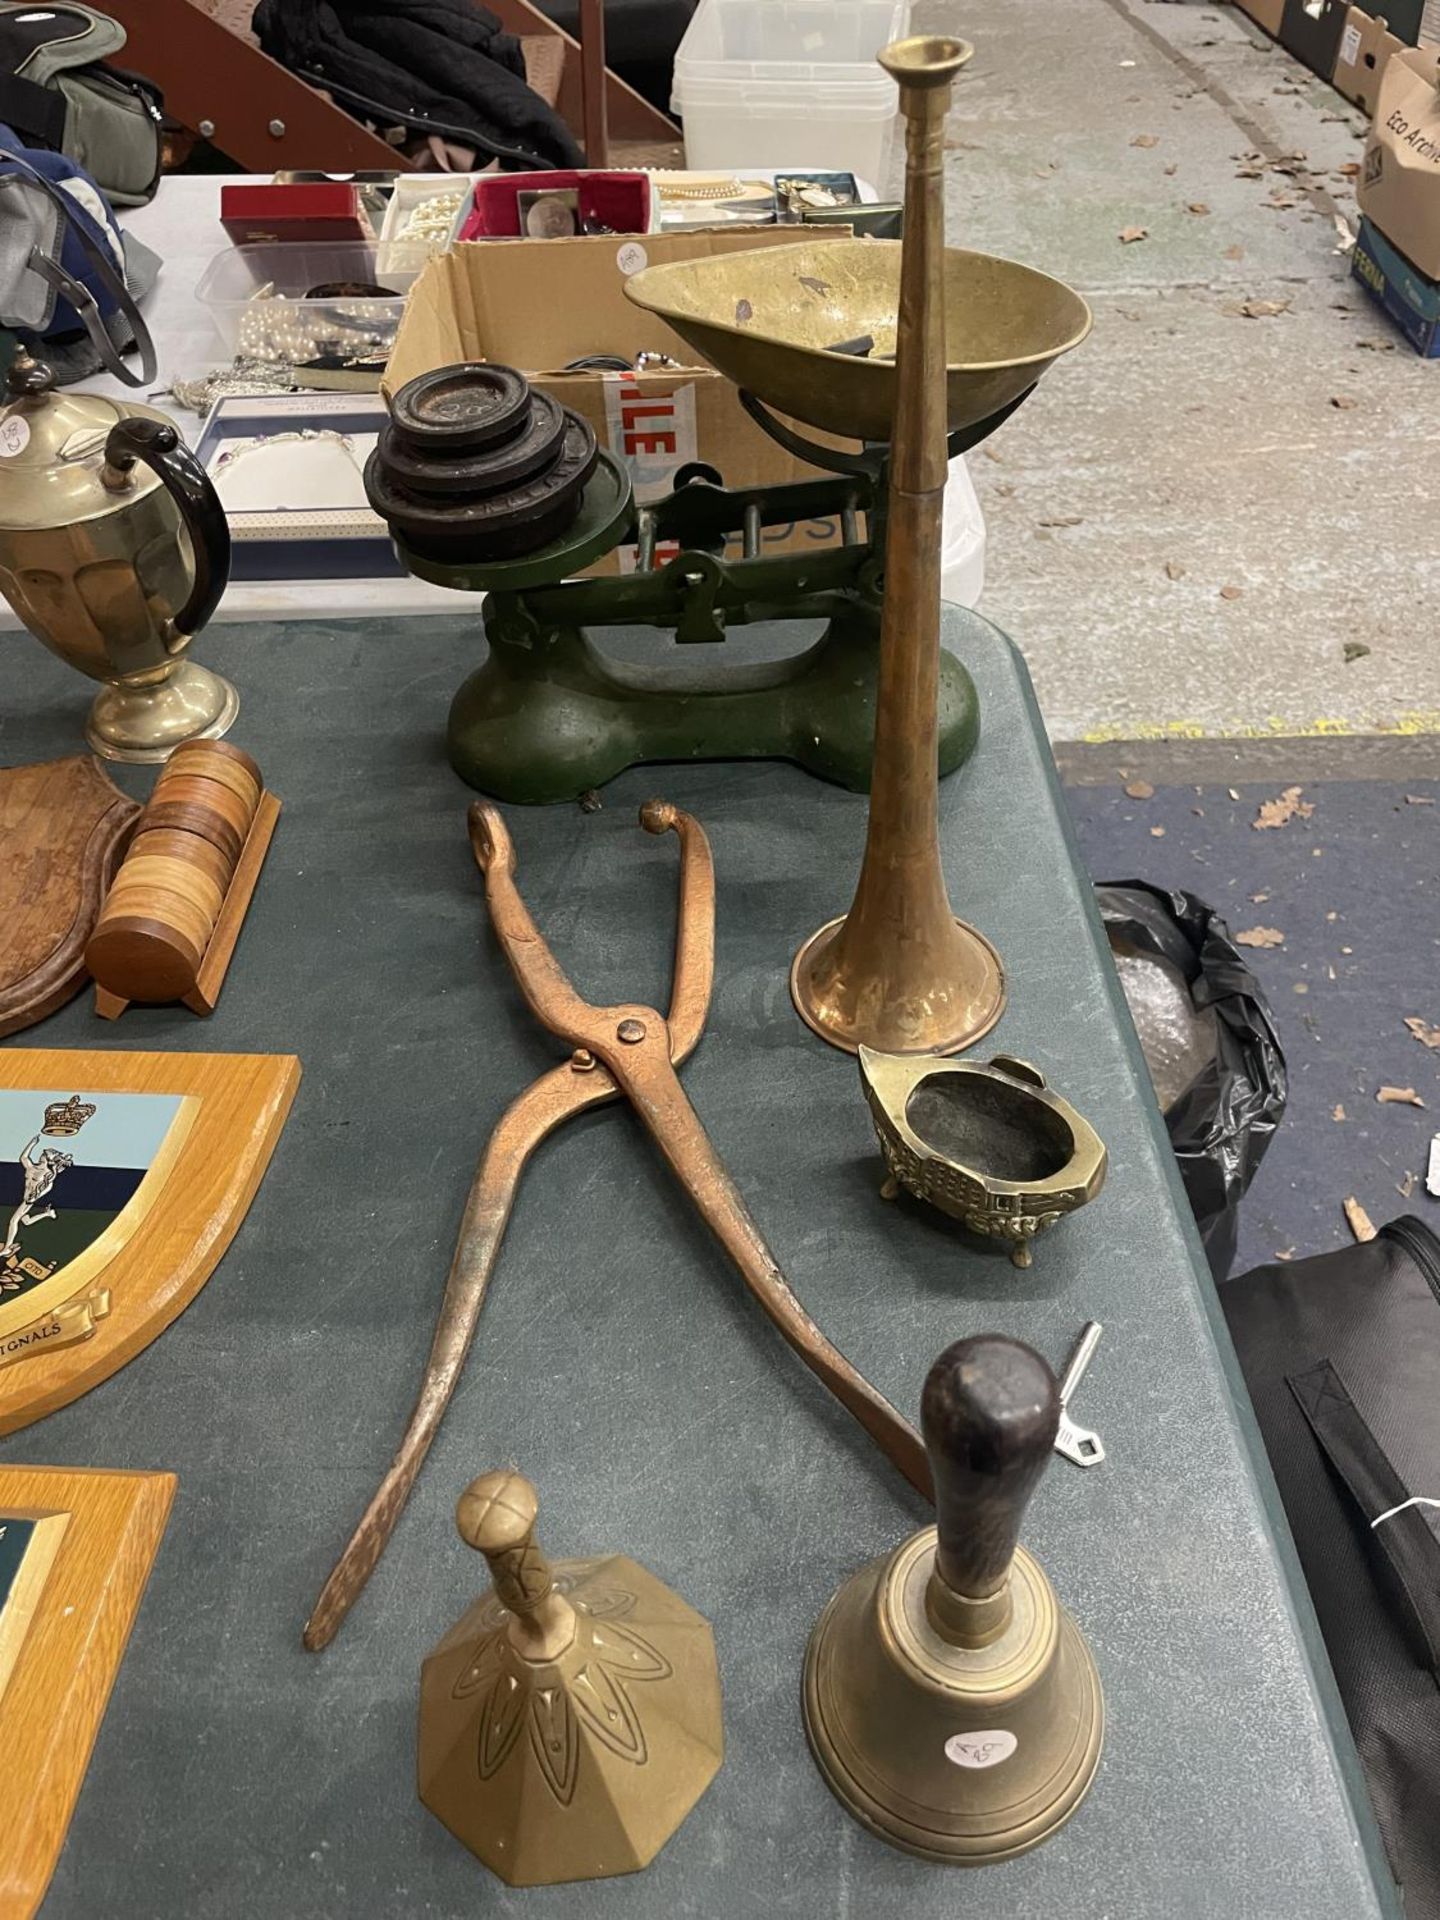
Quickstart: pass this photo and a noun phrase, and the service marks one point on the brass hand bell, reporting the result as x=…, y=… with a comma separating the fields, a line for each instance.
x=571, y=1719
x=950, y=1701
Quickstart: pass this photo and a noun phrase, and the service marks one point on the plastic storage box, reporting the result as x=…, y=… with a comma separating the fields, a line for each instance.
x=789, y=83
x=239, y=284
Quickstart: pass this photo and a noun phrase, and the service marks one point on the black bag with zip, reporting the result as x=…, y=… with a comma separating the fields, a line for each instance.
x=1341, y=1354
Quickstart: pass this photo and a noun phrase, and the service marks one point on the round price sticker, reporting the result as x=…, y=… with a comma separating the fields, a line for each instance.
x=631, y=257
x=14, y=436
x=981, y=1749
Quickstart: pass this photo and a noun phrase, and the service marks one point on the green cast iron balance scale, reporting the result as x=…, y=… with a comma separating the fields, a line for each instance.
x=546, y=718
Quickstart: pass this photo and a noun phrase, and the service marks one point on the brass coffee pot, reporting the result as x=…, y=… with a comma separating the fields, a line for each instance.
x=951, y=1702
x=114, y=551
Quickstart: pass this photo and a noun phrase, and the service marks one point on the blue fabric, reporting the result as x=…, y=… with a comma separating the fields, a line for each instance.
x=90, y=219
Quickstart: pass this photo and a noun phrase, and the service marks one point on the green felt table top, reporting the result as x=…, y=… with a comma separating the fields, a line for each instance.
x=620, y=1364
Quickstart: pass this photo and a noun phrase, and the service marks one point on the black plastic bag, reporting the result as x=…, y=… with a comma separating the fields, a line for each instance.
x=1223, y=1121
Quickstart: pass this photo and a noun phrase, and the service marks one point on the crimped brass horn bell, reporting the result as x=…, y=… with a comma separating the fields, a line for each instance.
x=951, y=1702
x=570, y=1719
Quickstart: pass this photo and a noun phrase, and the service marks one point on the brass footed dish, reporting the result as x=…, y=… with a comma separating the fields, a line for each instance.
x=770, y=320
x=992, y=1146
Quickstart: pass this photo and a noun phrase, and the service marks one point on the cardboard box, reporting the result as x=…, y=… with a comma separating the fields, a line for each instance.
x=1311, y=30
x=1410, y=298
x=537, y=304
x=1265, y=13
x=1365, y=47
x=1400, y=174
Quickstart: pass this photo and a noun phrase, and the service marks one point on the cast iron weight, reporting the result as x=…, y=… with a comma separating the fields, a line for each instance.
x=951, y=1702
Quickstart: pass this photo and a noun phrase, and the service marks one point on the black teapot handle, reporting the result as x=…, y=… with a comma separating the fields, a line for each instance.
x=160, y=447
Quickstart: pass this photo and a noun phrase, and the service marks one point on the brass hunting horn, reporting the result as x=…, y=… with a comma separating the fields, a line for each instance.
x=899, y=972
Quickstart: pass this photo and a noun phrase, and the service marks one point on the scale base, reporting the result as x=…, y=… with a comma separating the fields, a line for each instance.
x=549, y=722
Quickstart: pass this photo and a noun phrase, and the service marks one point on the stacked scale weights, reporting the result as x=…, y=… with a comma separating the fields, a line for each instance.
x=174, y=911
x=473, y=465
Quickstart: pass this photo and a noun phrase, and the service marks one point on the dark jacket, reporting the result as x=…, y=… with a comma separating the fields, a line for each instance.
x=436, y=66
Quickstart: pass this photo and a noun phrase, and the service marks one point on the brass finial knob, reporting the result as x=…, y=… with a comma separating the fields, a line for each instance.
x=27, y=376
x=496, y=1516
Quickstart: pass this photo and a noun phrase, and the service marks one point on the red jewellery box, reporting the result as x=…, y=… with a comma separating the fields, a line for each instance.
x=294, y=210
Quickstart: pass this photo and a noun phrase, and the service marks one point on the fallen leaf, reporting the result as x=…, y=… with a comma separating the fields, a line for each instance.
x=1338, y=1114
x=1285, y=1253
x=1300, y=987
x=1260, y=937
x=1196, y=206
x=1427, y=1035
x=1280, y=812
x=1231, y=593
x=1343, y=401
x=1350, y=168
x=1065, y=520
x=1140, y=790
x=1399, y=1097
x=1157, y=833
x=1257, y=899
x=1419, y=800
x=1263, y=309
x=1354, y=650
x=1129, y=234
x=1406, y=1186
x=1174, y=570
x=1359, y=1222
x=1146, y=140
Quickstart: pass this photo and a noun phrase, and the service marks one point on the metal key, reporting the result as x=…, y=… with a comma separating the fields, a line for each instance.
x=1079, y=1444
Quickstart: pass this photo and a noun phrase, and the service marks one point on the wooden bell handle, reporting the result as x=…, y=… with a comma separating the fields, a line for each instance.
x=989, y=1413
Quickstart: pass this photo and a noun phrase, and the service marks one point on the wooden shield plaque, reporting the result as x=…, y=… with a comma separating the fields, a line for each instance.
x=123, y=1177
x=75, y=1553
x=63, y=827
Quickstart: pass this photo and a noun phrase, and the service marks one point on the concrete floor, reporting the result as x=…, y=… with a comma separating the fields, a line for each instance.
x=1183, y=435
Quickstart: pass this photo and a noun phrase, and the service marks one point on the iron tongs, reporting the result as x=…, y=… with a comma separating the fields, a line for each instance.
x=629, y=1050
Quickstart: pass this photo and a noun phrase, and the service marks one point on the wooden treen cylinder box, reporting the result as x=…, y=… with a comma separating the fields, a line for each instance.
x=173, y=913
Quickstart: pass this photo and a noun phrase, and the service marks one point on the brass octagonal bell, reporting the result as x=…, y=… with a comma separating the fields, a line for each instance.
x=570, y=1719
x=950, y=1701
